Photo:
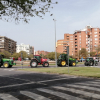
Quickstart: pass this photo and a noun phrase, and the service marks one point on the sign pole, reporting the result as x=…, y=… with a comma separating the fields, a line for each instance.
x=21, y=59
x=94, y=61
x=68, y=57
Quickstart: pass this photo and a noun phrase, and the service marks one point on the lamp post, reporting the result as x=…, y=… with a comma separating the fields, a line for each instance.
x=55, y=42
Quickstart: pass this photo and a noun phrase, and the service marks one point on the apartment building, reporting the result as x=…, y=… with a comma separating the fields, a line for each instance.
x=88, y=38
x=67, y=41
x=24, y=47
x=7, y=44
x=41, y=52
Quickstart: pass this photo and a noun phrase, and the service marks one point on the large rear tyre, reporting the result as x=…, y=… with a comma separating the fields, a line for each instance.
x=73, y=64
x=6, y=65
x=45, y=64
x=63, y=63
x=33, y=63
x=10, y=66
x=90, y=63
x=96, y=64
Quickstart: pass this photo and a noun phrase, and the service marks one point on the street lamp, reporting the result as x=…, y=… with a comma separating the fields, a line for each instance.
x=55, y=42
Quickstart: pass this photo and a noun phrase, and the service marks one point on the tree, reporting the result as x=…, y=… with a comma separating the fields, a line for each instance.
x=30, y=56
x=83, y=53
x=24, y=54
x=98, y=50
x=16, y=55
x=51, y=55
x=21, y=9
x=6, y=54
x=92, y=54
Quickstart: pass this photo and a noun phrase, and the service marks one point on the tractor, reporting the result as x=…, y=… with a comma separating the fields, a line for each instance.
x=63, y=60
x=38, y=60
x=6, y=63
x=90, y=62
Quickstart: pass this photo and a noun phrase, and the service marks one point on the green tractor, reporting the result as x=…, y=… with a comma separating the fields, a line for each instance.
x=63, y=60
x=6, y=63
x=90, y=62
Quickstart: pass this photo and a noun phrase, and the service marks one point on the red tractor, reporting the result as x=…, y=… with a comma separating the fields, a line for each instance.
x=37, y=60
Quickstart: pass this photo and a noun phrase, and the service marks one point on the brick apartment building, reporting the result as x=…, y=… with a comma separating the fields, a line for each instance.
x=88, y=38
x=67, y=41
x=41, y=52
x=7, y=44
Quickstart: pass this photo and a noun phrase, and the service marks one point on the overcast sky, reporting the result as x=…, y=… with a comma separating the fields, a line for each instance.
x=71, y=15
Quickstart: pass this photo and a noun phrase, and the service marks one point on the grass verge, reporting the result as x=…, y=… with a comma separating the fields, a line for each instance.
x=78, y=71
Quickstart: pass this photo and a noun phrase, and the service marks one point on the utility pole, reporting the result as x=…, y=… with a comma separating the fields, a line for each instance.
x=68, y=57
x=55, y=43
x=21, y=59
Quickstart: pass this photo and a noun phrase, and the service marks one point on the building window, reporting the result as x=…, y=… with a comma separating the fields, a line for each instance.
x=95, y=32
x=96, y=38
x=95, y=29
x=95, y=35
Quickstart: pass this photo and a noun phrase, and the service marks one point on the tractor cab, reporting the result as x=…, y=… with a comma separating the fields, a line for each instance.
x=63, y=56
x=38, y=57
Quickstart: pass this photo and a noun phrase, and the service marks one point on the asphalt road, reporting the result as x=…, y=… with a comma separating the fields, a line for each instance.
x=19, y=85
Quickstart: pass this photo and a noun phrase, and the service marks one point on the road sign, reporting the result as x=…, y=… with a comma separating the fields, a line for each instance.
x=68, y=50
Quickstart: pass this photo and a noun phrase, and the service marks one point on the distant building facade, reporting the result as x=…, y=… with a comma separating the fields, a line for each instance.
x=41, y=52
x=7, y=44
x=88, y=38
x=62, y=44
x=27, y=48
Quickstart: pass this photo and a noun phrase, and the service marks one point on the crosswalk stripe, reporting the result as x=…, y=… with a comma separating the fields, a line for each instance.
x=88, y=84
x=7, y=97
x=83, y=87
x=33, y=95
x=79, y=92
x=94, y=82
x=59, y=94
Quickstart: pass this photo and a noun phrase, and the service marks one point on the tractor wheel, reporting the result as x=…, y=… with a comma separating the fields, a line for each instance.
x=6, y=64
x=90, y=63
x=63, y=63
x=33, y=63
x=58, y=65
x=85, y=64
x=96, y=64
x=45, y=64
x=73, y=63
x=10, y=66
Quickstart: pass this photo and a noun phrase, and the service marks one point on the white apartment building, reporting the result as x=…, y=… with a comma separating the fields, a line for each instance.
x=27, y=48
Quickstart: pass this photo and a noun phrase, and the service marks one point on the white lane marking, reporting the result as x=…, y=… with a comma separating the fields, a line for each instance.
x=93, y=95
x=11, y=69
x=87, y=84
x=83, y=87
x=94, y=82
x=33, y=95
x=59, y=94
x=7, y=97
x=16, y=85
x=40, y=82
